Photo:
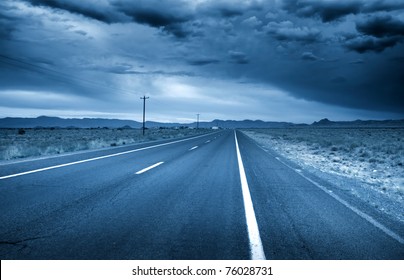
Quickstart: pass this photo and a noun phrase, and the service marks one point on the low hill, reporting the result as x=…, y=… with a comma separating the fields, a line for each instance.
x=44, y=121
x=359, y=123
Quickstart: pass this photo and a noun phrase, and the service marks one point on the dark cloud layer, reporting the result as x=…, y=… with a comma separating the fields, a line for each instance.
x=86, y=9
x=238, y=57
x=342, y=53
x=364, y=44
x=153, y=13
x=203, y=61
x=336, y=9
x=6, y=26
x=326, y=10
x=287, y=31
x=309, y=56
x=381, y=26
x=376, y=34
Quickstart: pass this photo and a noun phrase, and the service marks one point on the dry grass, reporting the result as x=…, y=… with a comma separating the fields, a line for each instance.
x=18, y=143
x=372, y=155
x=363, y=144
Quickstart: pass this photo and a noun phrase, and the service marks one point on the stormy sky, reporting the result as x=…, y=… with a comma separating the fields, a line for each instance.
x=279, y=60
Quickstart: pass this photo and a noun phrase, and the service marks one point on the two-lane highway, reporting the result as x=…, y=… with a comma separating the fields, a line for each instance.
x=189, y=205
x=179, y=199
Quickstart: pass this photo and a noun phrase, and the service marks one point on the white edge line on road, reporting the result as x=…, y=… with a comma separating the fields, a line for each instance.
x=256, y=248
x=355, y=210
x=193, y=148
x=96, y=158
x=148, y=168
x=346, y=204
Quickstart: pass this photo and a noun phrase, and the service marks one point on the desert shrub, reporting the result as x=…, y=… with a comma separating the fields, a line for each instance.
x=48, y=141
x=364, y=154
x=13, y=152
x=353, y=146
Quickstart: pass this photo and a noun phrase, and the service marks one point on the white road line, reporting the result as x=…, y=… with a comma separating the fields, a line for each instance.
x=96, y=158
x=349, y=206
x=193, y=148
x=150, y=167
x=361, y=214
x=207, y=141
x=357, y=211
x=256, y=249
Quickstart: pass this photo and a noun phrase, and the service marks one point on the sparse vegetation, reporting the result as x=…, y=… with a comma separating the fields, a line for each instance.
x=33, y=142
x=372, y=156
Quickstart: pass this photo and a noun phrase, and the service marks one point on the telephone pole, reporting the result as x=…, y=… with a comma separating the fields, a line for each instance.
x=144, y=110
x=197, y=121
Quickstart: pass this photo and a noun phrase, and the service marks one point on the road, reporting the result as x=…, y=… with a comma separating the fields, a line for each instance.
x=215, y=196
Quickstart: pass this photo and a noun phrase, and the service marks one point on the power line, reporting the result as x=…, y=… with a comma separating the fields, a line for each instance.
x=60, y=76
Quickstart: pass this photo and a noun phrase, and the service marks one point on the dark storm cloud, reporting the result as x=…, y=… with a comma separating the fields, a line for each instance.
x=230, y=12
x=357, y=62
x=6, y=26
x=171, y=17
x=179, y=19
x=228, y=9
x=8, y=22
x=203, y=61
x=158, y=14
x=327, y=11
x=335, y=9
x=181, y=30
x=381, y=26
x=382, y=5
x=90, y=10
x=154, y=13
x=363, y=44
x=238, y=57
x=309, y=56
x=377, y=33
x=287, y=31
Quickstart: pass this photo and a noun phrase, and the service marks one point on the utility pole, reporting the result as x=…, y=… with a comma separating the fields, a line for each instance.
x=144, y=110
x=197, y=121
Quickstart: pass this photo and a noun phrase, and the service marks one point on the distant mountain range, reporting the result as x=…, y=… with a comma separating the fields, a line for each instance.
x=45, y=121
x=359, y=123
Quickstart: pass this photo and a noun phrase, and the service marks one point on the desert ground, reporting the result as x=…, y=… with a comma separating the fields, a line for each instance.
x=368, y=162
x=35, y=142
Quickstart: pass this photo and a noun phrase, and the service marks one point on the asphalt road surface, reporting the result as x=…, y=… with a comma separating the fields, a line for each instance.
x=215, y=196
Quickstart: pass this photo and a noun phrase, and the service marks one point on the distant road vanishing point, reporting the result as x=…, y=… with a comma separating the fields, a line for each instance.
x=214, y=196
